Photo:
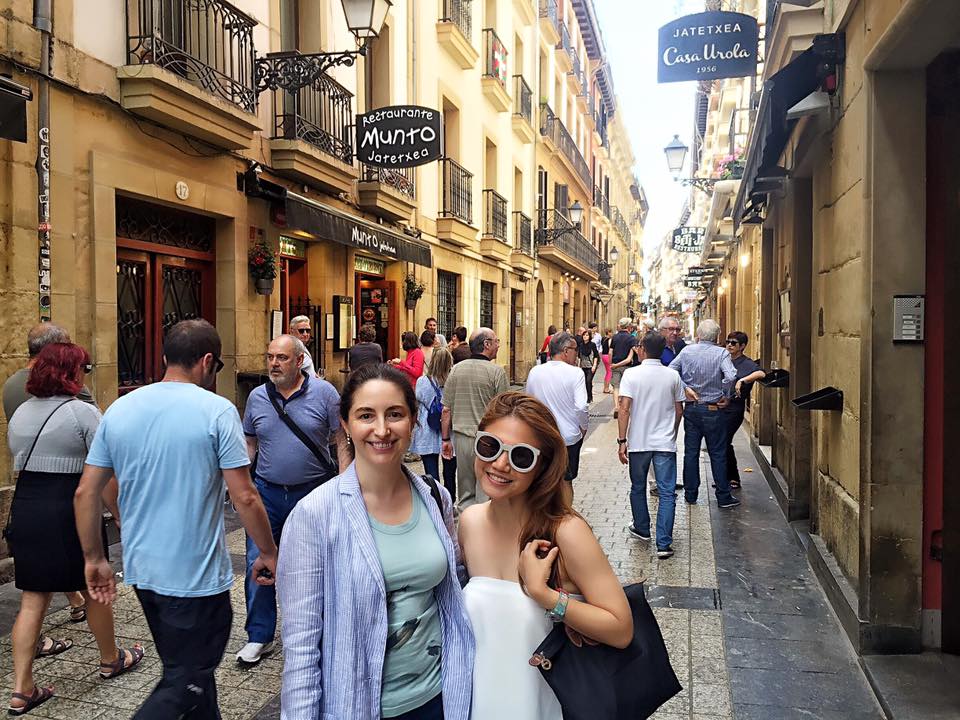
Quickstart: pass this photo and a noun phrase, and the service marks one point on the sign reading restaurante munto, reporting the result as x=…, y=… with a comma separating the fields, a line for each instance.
x=708, y=46
x=399, y=136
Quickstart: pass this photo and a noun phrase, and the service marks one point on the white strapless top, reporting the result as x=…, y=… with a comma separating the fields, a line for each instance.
x=508, y=627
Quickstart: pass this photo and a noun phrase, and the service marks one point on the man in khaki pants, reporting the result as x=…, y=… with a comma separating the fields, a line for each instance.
x=471, y=385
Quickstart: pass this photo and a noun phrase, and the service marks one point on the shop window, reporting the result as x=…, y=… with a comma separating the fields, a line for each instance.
x=446, y=302
x=486, y=304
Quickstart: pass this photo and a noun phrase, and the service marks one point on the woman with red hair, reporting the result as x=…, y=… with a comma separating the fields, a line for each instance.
x=48, y=436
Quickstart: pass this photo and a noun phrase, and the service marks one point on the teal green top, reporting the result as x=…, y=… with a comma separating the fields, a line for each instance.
x=414, y=563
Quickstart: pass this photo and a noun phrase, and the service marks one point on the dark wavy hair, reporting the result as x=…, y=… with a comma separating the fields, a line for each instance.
x=409, y=341
x=55, y=370
x=376, y=371
x=548, y=502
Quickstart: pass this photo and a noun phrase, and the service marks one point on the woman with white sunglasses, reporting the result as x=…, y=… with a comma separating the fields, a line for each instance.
x=511, y=544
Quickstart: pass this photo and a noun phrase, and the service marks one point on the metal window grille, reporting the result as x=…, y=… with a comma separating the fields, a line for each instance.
x=495, y=57
x=457, y=198
x=487, y=290
x=523, y=233
x=209, y=43
x=446, y=302
x=400, y=179
x=460, y=13
x=522, y=99
x=495, y=215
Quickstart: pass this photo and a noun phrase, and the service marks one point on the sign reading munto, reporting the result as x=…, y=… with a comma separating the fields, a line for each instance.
x=689, y=239
x=708, y=46
x=399, y=136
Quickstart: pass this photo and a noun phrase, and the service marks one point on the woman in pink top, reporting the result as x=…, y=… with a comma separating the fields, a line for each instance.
x=412, y=367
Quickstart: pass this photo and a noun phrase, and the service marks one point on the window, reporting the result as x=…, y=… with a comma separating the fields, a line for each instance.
x=561, y=199
x=446, y=302
x=486, y=304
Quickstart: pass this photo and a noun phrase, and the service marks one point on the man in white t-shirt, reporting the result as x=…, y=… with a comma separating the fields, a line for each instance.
x=561, y=386
x=651, y=405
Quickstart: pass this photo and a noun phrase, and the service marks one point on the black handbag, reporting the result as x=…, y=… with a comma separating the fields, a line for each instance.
x=600, y=682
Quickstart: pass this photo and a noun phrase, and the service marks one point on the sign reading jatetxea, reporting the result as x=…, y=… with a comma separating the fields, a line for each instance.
x=399, y=136
x=708, y=46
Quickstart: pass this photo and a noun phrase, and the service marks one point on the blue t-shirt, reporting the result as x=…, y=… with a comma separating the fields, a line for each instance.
x=283, y=459
x=167, y=444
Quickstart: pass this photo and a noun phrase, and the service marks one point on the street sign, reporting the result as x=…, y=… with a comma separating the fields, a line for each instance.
x=399, y=136
x=708, y=46
x=696, y=271
x=689, y=239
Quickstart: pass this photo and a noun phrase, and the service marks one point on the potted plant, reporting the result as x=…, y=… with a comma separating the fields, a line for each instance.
x=413, y=290
x=730, y=167
x=263, y=267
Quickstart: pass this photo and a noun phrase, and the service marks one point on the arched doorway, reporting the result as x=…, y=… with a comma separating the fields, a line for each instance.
x=541, y=327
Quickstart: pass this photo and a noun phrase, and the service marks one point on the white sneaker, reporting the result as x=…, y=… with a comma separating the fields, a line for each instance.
x=252, y=652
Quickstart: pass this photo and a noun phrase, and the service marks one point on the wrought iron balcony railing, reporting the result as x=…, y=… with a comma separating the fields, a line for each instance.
x=209, y=43
x=320, y=114
x=601, y=201
x=553, y=128
x=556, y=230
x=522, y=99
x=522, y=233
x=457, y=200
x=460, y=13
x=494, y=57
x=494, y=215
x=620, y=223
x=548, y=10
x=400, y=179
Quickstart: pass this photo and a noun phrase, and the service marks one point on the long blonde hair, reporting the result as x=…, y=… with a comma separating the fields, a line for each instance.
x=440, y=363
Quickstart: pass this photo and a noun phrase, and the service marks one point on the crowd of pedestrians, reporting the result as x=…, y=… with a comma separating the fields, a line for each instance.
x=402, y=596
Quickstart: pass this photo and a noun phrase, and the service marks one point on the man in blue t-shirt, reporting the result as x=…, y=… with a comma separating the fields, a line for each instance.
x=287, y=469
x=172, y=445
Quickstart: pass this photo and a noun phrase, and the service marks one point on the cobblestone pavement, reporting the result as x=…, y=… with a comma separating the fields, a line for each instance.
x=683, y=590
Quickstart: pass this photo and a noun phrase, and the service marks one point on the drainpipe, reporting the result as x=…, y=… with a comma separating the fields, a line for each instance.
x=43, y=21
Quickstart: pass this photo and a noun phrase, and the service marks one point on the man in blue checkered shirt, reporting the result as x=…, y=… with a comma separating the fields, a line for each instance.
x=708, y=374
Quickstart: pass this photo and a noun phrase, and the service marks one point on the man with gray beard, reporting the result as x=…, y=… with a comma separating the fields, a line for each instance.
x=288, y=424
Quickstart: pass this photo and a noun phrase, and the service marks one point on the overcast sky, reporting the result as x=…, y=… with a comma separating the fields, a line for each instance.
x=654, y=112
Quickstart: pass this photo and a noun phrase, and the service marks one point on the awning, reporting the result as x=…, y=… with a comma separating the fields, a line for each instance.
x=322, y=222
x=772, y=129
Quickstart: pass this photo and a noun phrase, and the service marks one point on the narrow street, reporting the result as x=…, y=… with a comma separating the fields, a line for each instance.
x=748, y=629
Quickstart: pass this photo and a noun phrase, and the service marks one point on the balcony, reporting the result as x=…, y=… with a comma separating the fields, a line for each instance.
x=174, y=48
x=561, y=243
x=312, y=140
x=389, y=193
x=601, y=202
x=522, y=256
x=493, y=244
x=620, y=225
x=455, y=32
x=455, y=223
x=494, y=80
x=558, y=139
x=565, y=51
x=523, y=110
x=549, y=22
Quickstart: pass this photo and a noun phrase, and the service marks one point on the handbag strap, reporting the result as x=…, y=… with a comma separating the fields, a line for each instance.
x=436, y=388
x=40, y=431
x=295, y=429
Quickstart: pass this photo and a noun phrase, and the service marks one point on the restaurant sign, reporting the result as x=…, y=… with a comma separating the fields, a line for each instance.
x=399, y=136
x=689, y=239
x=708, y=46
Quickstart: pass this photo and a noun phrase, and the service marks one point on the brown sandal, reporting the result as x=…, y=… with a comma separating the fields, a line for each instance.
x=120, y=666
x=78, y=613
x=39, y=696
x=56, y=647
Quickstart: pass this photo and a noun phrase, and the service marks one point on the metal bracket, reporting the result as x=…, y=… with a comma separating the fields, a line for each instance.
x=291, y=71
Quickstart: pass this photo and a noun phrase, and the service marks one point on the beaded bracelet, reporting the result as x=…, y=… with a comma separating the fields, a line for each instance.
x=560, y=609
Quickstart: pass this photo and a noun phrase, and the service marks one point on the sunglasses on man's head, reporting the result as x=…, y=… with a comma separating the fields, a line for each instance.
x=219, y=363
x=522, y=457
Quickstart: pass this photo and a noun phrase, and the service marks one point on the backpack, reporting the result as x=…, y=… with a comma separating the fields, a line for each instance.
x=436, y=407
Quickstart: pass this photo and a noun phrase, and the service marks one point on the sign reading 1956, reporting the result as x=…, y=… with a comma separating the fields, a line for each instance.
x=399, y=136
x=708, y=46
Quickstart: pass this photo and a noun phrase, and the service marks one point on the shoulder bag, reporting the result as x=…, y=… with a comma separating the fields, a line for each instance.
x=328, y=469
x=600, y=682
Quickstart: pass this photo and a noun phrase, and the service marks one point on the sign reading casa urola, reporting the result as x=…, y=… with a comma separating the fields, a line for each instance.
x=708, y=46
x=399, y=136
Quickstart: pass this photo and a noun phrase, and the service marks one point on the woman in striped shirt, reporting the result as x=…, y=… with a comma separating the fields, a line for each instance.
x=374, y=622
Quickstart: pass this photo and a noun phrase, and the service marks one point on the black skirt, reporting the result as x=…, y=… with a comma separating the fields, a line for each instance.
x=42, y=533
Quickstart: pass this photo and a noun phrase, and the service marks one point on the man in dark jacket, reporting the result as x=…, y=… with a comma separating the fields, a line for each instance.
x=670, y=329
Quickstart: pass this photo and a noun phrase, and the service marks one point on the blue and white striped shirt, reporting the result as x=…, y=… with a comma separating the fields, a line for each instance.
x=334, y=607
x=707, y=369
